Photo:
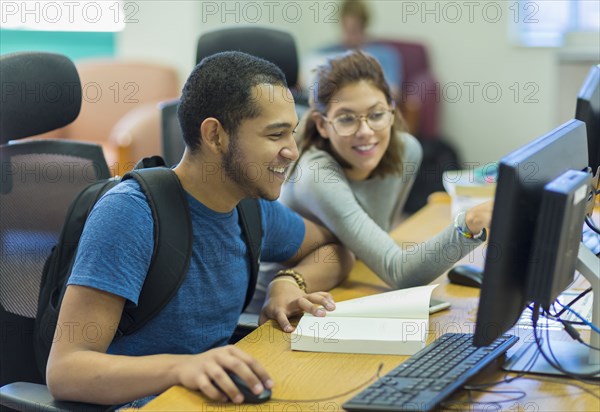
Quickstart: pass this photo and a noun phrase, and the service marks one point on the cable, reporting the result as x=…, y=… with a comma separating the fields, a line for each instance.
x=449, y=404
x=526, y=369
x=328, y=398
x=571, y=303
x=591, y=224
x=479, y=387
x=521, y=395
x=554, y=363
x=588, y=345
x=584, y=320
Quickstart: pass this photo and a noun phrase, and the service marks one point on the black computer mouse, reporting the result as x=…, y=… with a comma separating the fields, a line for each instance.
x=249, y=396
x=466, y=275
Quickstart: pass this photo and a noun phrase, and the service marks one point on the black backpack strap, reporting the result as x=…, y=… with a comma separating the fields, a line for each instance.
x=172, y=245
x=148, y=162
x=250, y=221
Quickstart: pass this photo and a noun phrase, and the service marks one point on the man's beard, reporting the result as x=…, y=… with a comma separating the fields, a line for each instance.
x=233, y=163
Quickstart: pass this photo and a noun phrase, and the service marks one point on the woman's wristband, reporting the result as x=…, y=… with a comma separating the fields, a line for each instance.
x=465, y=232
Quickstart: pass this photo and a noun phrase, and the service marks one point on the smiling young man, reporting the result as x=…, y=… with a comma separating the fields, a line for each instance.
x=238, y=121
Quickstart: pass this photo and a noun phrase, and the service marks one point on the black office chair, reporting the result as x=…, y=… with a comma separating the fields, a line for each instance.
x=38, y=180
x=276, y=46
x=170, y=132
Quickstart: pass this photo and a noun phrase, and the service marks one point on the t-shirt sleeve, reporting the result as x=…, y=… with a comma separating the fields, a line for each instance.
x=283, y=232
x=116, y=245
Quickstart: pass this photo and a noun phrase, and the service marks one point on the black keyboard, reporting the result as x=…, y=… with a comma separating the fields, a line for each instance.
x=430, y=375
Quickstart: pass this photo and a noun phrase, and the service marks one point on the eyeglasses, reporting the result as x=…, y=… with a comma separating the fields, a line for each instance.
x=347, y=124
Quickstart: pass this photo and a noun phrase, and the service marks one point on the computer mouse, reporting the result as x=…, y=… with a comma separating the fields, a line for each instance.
x=466, y=275
x=249, y=396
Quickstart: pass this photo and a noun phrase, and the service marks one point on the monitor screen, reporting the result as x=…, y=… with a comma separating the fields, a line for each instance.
x=522, y=176
x=588, y=111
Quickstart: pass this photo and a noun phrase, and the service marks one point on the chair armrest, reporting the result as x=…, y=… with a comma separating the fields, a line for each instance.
x=33, y=397
x=137, y=135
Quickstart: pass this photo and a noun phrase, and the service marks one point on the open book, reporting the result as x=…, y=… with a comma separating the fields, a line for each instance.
x=391, y=323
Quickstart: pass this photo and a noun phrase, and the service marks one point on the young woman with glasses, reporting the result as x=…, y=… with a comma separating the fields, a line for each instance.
x=356, y=167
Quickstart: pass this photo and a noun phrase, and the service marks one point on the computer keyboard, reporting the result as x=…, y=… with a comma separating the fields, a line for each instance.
x=430, y=375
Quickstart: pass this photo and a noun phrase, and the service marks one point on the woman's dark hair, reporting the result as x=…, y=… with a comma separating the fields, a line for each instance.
x=340, y=71
x=220, y=86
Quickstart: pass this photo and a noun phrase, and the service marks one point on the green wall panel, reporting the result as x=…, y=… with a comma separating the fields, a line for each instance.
x=76, y=45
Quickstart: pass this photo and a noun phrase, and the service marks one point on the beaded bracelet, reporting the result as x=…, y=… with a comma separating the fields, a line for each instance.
x=298, y=278
x=282, y=279
x=467, y=233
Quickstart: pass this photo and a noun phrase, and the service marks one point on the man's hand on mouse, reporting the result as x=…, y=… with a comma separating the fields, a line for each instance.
x=285, y=300
x=207, y=372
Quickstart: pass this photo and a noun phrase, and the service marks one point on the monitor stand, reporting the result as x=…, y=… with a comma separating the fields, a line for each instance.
x=571, y=355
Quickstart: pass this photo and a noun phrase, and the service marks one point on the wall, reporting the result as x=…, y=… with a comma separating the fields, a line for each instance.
x=75, y=45
x=496, y=95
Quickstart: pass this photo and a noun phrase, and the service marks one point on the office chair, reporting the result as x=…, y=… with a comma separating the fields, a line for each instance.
x=276, y=46
x=171, y=136
x=38, y=180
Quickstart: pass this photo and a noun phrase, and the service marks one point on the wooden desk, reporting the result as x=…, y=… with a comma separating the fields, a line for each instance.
x=302, y=378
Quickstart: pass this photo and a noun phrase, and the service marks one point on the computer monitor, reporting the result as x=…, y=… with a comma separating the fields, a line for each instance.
x=522, y=178
x=588, y=111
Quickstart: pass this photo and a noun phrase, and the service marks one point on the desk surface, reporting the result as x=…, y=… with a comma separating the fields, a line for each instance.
x=324, y=381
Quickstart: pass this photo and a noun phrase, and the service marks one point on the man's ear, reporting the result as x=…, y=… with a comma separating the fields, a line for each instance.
x=320, y=124
x=213, y=136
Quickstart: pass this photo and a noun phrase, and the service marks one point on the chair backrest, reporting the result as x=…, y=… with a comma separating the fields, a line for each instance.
x=276, y=46
x=40, y=92
x=38, y=181
x=171, y=135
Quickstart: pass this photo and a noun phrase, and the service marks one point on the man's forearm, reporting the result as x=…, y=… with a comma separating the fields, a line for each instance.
x=326, y=267
x=101, y=378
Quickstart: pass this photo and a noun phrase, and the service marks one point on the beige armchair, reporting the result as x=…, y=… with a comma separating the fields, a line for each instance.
x=119, y=109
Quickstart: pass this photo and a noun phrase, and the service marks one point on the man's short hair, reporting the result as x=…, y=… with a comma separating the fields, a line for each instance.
x=220, y=86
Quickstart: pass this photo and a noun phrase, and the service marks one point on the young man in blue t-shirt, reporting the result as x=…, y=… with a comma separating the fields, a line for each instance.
x=238, y=121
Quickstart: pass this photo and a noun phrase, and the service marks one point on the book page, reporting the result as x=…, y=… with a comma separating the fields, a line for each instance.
x=411, y=303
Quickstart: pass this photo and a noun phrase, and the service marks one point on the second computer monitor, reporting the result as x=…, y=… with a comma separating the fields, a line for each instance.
x=588, y=111
x=522, y=176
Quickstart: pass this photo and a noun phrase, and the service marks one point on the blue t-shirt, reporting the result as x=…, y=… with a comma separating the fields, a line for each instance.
x=114, y=256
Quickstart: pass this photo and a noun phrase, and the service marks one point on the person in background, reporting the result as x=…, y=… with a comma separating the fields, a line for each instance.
x=238, y=124
x=354, y=173
x=354, y=18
